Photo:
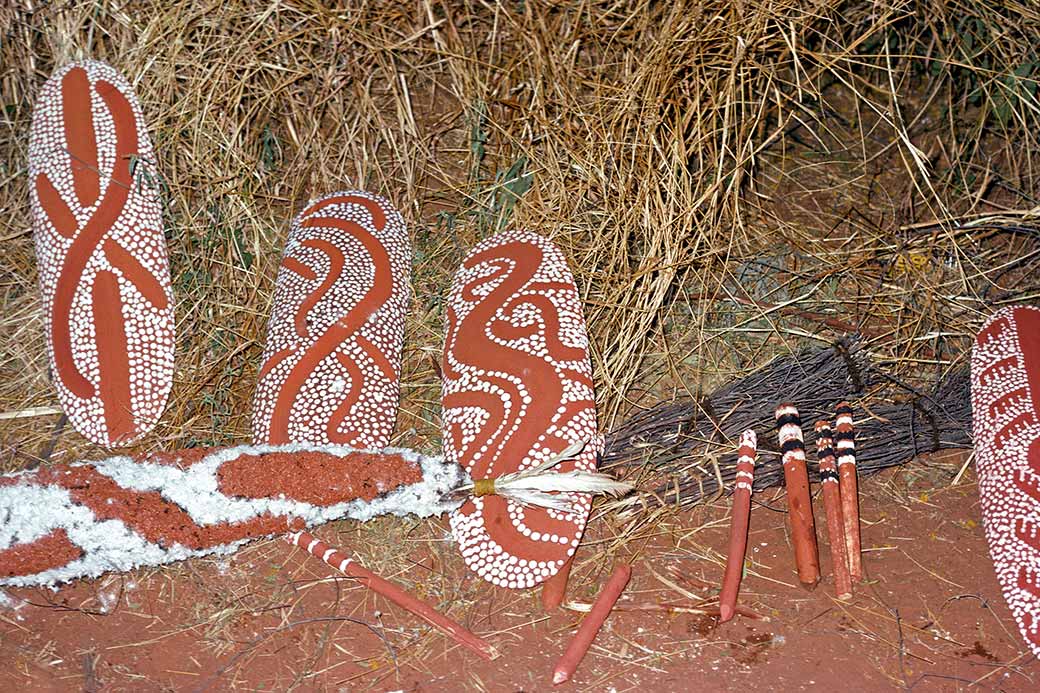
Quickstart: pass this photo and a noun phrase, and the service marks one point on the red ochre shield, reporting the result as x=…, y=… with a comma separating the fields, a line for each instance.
x=517, y=389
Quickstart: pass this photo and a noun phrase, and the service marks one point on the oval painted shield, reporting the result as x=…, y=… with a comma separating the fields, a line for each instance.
x=517, y=389
x=330, y=370
x=1005, y=402
x=104, y=274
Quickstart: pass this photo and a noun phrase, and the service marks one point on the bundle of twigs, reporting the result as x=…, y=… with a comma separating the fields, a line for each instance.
x=686, y=449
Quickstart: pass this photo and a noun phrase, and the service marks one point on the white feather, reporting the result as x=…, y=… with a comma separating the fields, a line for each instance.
x=541, y=500
x=573, y=482
x=537, y=486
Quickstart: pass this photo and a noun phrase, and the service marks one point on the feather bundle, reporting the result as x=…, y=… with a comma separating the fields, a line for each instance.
x=539, y=486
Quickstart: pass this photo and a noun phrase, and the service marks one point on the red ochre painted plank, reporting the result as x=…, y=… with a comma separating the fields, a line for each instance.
x=104, y=274
x=1005, y=394
x=337, y=327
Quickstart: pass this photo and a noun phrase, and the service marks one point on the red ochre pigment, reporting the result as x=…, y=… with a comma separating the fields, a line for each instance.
x=49, y=551
x=317, y=478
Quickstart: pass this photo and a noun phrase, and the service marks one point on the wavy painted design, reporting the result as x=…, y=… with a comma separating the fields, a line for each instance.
x=330, y=369
x=517, y=389
x=1005, y=384
x=71, y=520
x=104, y=274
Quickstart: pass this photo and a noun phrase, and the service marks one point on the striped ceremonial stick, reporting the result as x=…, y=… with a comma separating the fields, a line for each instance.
x=799, y=503
x=845, y=448
x=579, y=646
x=738, y=530
x=352, y=569
x=832, y=504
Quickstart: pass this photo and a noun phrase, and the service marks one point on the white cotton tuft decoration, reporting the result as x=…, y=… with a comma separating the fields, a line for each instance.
x=97, y=528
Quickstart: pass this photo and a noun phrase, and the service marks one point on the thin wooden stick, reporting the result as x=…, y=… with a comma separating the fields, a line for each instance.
x=845, y=447
x=832, y=504
x=738, y=529
x=590, y=626
x=555, y=588
x=30, y=412
x=799, y=503
x=670, y=608
x=398, y=596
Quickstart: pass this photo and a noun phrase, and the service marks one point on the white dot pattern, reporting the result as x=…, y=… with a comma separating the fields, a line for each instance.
x=517, y=389
x=330, y=369
x=104, y=273
x=1005, y=378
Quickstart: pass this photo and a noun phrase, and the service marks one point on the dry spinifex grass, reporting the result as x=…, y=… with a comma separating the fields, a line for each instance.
x=729, y=180
x=703, y=166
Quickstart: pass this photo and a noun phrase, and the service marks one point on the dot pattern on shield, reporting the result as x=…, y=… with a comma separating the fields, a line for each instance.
x=517, y=389
x=104, y=273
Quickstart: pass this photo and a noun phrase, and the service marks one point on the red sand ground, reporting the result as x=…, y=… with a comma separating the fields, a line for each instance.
x=931, y=617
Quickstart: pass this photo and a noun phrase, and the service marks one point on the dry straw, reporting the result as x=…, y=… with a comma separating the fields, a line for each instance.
x=728, y=180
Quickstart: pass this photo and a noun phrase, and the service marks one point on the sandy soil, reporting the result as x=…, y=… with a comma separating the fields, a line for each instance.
x=929, y=618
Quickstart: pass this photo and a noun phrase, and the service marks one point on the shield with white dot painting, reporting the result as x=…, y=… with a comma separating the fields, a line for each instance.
x=104, y=273
x=330, y=372
x=1005, y=393
x=517, y=389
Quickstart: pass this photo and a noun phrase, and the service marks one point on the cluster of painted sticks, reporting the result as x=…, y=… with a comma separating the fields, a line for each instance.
x=836, y=454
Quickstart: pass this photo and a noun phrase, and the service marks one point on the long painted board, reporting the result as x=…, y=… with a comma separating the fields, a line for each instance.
x=1005, y=401
x=330, y=372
